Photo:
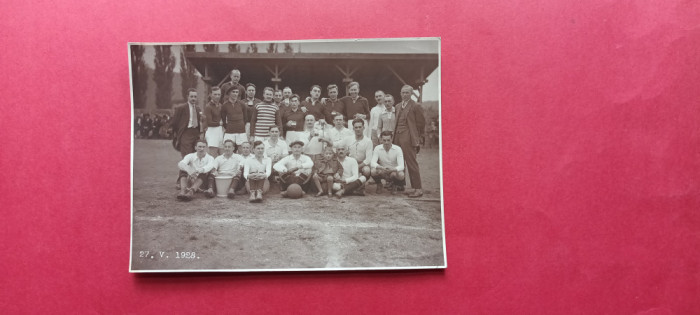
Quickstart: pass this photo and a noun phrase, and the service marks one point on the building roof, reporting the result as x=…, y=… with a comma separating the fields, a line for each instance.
x=300, y=71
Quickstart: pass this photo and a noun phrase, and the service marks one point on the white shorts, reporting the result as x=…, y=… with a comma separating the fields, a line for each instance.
x=214, y=136
x=237, y=138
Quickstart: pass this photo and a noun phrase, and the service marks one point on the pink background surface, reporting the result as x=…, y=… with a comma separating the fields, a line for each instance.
x=571, y=139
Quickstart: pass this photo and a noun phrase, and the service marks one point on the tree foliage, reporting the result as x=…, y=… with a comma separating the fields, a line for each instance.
x=139, y=75
x=163, y=75
x=188, y=74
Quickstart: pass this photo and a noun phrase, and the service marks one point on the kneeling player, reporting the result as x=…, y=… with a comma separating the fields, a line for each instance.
x=294, y=168
x=256, y=171
x=228, y=164
x=350, y=181
x=387, y=163
x=194, y=170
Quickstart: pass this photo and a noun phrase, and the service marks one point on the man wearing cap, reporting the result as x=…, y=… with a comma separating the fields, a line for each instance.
x=294, y=168
x=387, y=164
x=410, y=125
x=194, y=172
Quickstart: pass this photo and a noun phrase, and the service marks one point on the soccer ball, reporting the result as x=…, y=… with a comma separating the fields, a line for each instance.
x=294, y=191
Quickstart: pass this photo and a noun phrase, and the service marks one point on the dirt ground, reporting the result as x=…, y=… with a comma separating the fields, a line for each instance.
x=374, y=231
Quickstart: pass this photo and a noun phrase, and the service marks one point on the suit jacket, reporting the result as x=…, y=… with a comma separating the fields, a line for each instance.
x=180, y=120
x=414, y=119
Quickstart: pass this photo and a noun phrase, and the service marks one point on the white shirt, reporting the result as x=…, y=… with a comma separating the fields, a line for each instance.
x=393, y=158
x=374, y=116
x=336, y=136
x=277, y=151
x=191, y=163
x=193, y=116
x=313, y=146
x=228, y=166
x=304, y=163
x=350, y=169
x=254, y=166
x=249, y=156
x=360, y=150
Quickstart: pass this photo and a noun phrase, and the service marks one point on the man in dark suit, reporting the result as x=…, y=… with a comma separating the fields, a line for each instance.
x=186, y=124
x=410, y=124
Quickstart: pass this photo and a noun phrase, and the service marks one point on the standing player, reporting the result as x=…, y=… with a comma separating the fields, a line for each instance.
x=333, y=104
x=286, y=97
x=277, y=98
x=265, y=115
x=387, y=118
x=212, y=116
x=314, y=106
x=410, y=125
x=374, y=116
x=234, y=83
x=293, y=120
x=356, y=106
x=234, y=115
x=250, y=101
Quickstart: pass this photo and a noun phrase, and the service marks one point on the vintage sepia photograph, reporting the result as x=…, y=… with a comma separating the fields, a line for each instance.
x=286, y=156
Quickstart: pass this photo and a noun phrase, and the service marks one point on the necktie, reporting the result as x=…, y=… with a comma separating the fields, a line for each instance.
x=193, y=116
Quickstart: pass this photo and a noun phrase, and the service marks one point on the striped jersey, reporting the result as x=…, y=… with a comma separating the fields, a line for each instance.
x=265, y=118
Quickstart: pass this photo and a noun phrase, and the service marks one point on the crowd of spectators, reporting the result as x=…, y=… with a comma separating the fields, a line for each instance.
x=152, y=127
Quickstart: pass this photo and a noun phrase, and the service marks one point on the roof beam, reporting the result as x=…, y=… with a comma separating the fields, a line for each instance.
x=396, y=74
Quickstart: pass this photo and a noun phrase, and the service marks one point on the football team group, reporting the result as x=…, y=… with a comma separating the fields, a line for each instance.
x=244, y=144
